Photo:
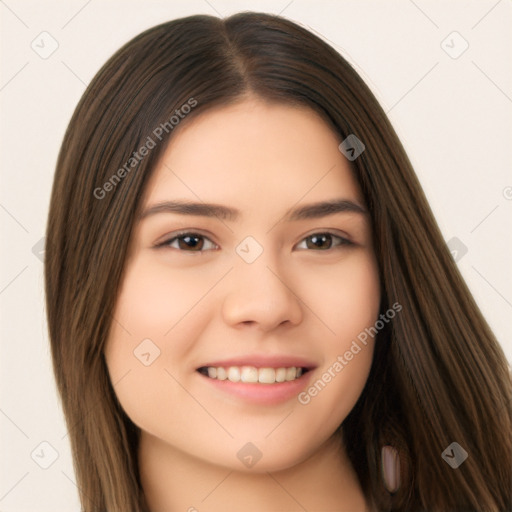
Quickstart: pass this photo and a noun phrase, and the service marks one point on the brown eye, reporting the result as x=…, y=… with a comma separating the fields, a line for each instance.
x=194, y=243
x=189, y=242
x=323, y=241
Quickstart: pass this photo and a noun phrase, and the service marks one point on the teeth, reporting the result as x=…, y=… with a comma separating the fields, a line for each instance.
x=234, y=374
x=251, y=374
x=266, y=375
x=291, y=373
x=280, y=374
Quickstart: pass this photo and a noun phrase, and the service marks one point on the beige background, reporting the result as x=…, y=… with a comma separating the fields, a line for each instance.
x=454, y=116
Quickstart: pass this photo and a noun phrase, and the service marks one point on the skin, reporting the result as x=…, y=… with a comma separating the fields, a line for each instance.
x=295, y=298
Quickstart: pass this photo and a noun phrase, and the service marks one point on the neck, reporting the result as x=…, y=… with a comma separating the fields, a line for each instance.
x=173, y=480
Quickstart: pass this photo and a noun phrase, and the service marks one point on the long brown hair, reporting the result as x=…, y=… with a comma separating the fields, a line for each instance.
x=438, y=375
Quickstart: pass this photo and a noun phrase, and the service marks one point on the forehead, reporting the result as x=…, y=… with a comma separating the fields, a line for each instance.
x=254, y=152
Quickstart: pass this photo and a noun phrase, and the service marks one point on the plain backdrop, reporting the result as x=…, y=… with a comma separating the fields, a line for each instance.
x=450, y=105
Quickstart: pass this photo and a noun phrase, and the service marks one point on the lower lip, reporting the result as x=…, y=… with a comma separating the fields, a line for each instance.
x=262, y=394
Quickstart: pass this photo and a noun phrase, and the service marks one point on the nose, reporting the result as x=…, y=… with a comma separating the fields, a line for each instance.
x=260, y=296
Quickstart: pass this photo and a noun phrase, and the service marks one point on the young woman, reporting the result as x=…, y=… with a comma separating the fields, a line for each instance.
x=250, y=304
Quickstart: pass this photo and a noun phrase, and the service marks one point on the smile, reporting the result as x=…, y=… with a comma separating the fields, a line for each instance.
x=258, y=379
x=251, y=374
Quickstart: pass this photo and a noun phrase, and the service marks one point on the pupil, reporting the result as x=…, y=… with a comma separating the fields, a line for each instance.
x=320, y=241
x=192, y=242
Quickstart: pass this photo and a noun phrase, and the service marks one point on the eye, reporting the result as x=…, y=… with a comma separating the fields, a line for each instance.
x=323, y=241
x=190, y=242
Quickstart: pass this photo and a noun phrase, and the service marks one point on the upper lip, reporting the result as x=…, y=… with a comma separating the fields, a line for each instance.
x=263, y=361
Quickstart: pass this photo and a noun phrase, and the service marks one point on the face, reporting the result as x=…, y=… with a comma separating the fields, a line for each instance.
x=251, y=275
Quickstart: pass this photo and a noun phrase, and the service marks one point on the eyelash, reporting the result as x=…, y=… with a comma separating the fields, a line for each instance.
x=167, y=243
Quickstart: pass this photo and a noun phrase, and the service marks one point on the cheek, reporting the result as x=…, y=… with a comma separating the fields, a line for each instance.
x=156, y=315
x=348, y=304
x=346, y=298
x=155, y=303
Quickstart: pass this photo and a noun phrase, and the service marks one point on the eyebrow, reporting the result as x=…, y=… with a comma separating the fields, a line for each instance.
x=309, y=211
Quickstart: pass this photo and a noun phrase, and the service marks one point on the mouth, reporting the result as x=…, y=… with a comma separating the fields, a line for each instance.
x=252, y=374
x=260, y=380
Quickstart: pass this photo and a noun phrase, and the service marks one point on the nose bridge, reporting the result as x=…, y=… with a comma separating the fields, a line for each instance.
x=258, y=292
